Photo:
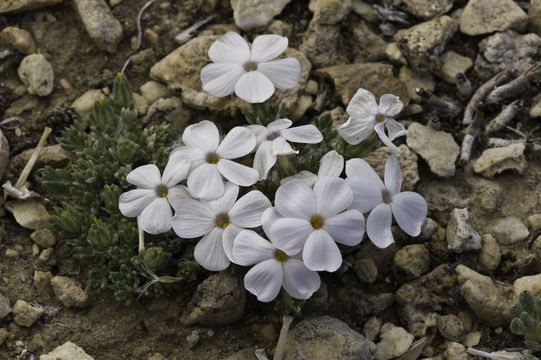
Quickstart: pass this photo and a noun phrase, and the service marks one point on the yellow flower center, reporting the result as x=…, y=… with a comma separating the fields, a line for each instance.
x=250, y=66
x=161, y=190
x=212, y=158
x=317, y=222
x=222, y=221
x=380, y=118
x=280, y=255
x=386, y=196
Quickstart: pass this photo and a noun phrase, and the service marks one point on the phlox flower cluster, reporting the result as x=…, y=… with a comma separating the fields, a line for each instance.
x=210, y=186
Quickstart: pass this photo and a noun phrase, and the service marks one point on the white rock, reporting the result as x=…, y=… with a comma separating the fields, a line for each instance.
x=395, y=341
x=153, y=90
x=509, y=230
x=30, y=214
x=481, y=17
x=452, y=64
x=36, y=74
x=460, y=235
x=84, y=104
x=250, y=14
x=67, y=351
x=496, y=160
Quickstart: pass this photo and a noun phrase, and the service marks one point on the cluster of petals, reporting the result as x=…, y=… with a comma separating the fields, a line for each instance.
x=384, y=200
x=249, y=72
x=330, y=165
x=366, y=116
x=272, y=141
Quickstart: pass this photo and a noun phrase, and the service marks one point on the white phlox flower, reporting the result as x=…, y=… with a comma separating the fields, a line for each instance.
x=314, y=219
x=273, y=269
x=385, y=200
x=272, y=141
x=211, y=159
x=365, y=116
x=249, y=73
x=218, y=222
x=330, y=165
x=151, y=202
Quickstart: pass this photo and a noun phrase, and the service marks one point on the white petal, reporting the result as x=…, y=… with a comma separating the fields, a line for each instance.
x=306, y=134
x=203, y=136
x=268, y=218
x=133, y=202
x=331, y=164
x=228, y=238
x=356, y=130
x=238, y=142
x=346, y=228
x=289, y=234
x=192, y=219
x=209, y=251
x=363, y=104
x=230, y=48
x=379, y=128
x=333, y=196
x=278, y=125
x=360, y=168
x=389, y=105
x=393, y=175
x=366, y=195
x=254, y=87
x=237, y=173
x=321, y=253
x=146, y=176
x=259, y=131
x=249, y=248
x=295, y=199
x=264, y=280
x=306, y=176
x=219, y=79
x=299, y=281
x=206, y=182
x=378, y=226
x=193, y=155
x=281, y=147
x=156, y=217
x=264, y=159
x=176, y=169
x=395, y=129
x=409, y=210
x=284, y=73
x=248, y=210
x=267, y=47
x=224, y=203
x=177, y=193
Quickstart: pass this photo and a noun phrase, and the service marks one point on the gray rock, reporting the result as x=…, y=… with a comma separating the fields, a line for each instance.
x=180, y=70
x=364, y=10
x=412, y=261
x=367, y=46
x=30, y=214
x=413, y=80
x=5, y=309
x=497, y=160
x=508, y=230
x=490, y=254
x=47, y=257
x=375, y=77
x=100, y=24
x=152, y=91
x=42, y=280
x=502, y=50
x=393, y=53
x=322, y=44
x=437, y=148
x=456, y=351
x=472, y=338
x=281, y=28
x=423, y=44
x=452, y=64
x=481, y=17
x=84, y=104
x=69, y=292
x=67, y=351
x=371, y=328
x=250, y=14
x=534, y=15
x=36, y=74
x=14, y=6
x=535, y=109
x=489, y=300
x=442, y=195
x=407, y=161
x=487, y=193
x=326, y=338
x=460, y=235
x=450, y=327
x=535, y=221
x=428, y=229
x=329, y=12
x=424, y=9
x=4, y=154
x=219, y=300
x=527, y=283
x=366, y=270
x=25, y=314
x=44, y=238
x=395, y=341
x=3, y=335
x=18, y=39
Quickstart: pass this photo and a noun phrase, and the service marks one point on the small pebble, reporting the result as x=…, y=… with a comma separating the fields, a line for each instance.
x=11, y=253
x=193, y=339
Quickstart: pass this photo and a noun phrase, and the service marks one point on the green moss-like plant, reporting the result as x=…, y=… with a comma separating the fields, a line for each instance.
x=527, y=317
x=103, y=239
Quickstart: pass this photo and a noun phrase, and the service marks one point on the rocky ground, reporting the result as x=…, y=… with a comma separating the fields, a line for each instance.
x=433, y=296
